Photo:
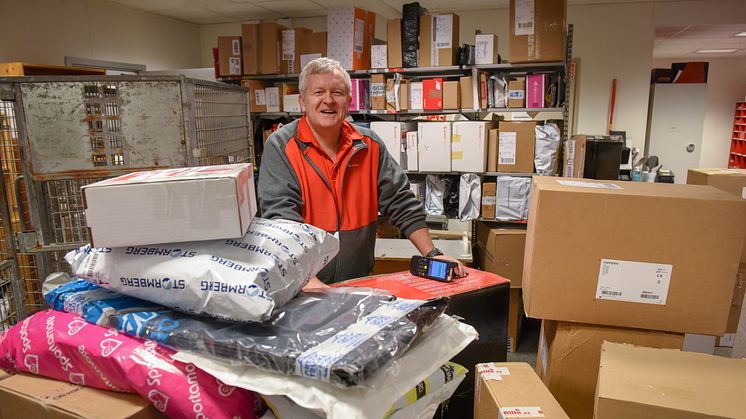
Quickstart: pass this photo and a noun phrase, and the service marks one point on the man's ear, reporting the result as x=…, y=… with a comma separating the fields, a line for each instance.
x=302, y=105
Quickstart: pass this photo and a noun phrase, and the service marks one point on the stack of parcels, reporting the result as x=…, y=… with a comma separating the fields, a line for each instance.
x=625, y=262
x=169, y=320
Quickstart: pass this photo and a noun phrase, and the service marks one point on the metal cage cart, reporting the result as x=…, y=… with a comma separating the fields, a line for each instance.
x=60, y=133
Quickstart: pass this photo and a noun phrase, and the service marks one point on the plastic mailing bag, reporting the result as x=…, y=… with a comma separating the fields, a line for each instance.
x=342, y=336
x=512, y=198
x=439, y=343
x=235, y=279
x=469, y=197
x=64, y=347
x=435, y=191
x=547, y=149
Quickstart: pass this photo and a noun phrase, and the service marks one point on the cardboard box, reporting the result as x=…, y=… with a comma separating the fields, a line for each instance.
x=394, y=42
x=404, y=95
x=645, y=383
x=574, y=156
x=378, y=56
x=250, y=44
x=515, y=319
x=360, y=95
x=434, y=146
x=394, y=136
x=31, y=397
x=485, y=49
x=736, y=305
x=291, y=103
x=270, y=36
x=509, y=390
x=469, y=146
x=172, y=205
x=516, y=143
x=537, y=35
x=274, y=100
x=501, y=251
x=446, y=31
x=378, y=92
x=466, y=87
x=295, y=41
x=535, y=89
x=488, y=205
x=316, y=48
x=350, y=33
x=426, y=53
x=432, y=94
x=680, y=279
x=229, y=54
x=412, y=152
x=257, y=95
x=517, y=93
x=451, y=95
x=569, y=356
x=416, y=99
x=729, y=180
x=492, y=150
x=392, y=95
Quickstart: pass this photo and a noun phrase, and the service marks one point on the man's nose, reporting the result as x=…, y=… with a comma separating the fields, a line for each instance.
x=327, y=97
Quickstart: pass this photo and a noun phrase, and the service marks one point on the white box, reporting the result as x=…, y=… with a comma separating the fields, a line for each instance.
x=434, y=146
x=416, y=101
x=349, y=34
x=469, y=146
x=394, y=137
x=485, y=50
x=378, y=56
x=272, y=96
x=291, y=103
x=412, y=152
x=172, y=205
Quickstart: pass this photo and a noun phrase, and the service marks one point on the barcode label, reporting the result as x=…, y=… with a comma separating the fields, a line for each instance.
x=635, y=282
x=443, y=45
x=507, y=148
x=359, y=35
x=524, y=17
x=525, y=25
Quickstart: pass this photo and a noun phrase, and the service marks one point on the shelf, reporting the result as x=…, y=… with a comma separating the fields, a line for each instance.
x=510, y=174
x=553, y=66
x=417, y=112
x=475, y=173
x=493, y=220
x=507, y=110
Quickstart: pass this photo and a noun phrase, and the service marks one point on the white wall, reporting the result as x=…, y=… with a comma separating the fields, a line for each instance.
x=45, y=31
x=726, y=84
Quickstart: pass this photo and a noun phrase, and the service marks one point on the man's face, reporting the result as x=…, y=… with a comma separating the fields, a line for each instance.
x=325, y=100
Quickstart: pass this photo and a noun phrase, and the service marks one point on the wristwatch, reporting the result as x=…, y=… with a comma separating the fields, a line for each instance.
x=433, y=253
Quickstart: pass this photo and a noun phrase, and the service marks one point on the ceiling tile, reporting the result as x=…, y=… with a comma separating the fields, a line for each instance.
x=288, y=5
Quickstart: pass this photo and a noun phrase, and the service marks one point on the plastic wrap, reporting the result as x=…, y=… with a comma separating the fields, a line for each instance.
x=64, y=347
x=411, y=13
x=511, y=201
x=547, y=149
x=470, y=197
x=342, y=336
x=439, y=343
x=435, y=191
x=235, y=279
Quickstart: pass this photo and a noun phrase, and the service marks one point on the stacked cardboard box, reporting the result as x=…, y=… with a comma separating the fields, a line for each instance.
x=350, y=33
x=592, y=277
x=537, y=30
x=229, y=52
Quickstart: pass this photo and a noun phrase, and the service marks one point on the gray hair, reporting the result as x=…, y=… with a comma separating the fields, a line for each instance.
x=321, y=66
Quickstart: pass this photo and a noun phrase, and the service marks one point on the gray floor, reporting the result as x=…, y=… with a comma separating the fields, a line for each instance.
x=528, y=342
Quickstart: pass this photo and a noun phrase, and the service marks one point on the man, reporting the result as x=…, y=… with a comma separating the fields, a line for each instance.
x=322, y=170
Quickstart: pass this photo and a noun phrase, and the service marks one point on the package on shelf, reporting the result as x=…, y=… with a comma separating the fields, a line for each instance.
x=500, y=250
x=511, y=200
x=394, y=42
x=469, y=145
x=492, y=151
x=482, y=90
x=546, y=154
x=439, y=40
x=631, y=378
x=515, y=319
x=535, y=90
x=360, y=95
x=378, y=92
x=537, y=30
x=451, y=95
x=435, y=194
x=569, y=355
x=294, y=41
x=291, y=103
x=516, y=143
x=403, y=102
x=410, y=31
x=350, y=32
x=418, y=189
x=517, y=93
x=171, y=205
x=469, y=196
x=681, y=279
x=229, y=52
x=432, y=94
x=412, y=151
x=466, y=90
x=434, y=146
x=485, y=49
x=426, y=48
x=270, y=38
x=394, y=136
x=250, y=44
x=274, y=100
x=497, y=91
x=379, y=56
x=393, y=87
x=316, y=48
x=257, y=95
x=489, y=191
x=514, y=391
x=416, y=99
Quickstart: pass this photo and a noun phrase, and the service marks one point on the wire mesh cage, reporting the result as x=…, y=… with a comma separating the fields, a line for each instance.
x=76, y=130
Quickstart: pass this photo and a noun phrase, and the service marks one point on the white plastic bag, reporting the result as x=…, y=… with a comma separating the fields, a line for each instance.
x=547, y=149
x=234, y=279
x=435, y=191
x=469, y=197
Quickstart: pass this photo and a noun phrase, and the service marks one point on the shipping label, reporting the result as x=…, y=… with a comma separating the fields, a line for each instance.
x=507, y=147
x=521, y=412
x=524, y=17
x=236, y=47
x=288, y=45
x=570, y=167
x=260, y=97
x=443, y=31
x=235, y=65
x=593, y=185
x=635, y=282
x=359, y=35
x=307, y=58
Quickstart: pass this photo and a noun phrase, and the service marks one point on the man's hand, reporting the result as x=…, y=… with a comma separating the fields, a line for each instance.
x=314, y=283
x=460, y=270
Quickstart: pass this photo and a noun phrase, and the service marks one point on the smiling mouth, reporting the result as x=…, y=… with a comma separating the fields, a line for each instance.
x=328, y=112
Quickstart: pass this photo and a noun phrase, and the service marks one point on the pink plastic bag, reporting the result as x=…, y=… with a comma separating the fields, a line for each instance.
x=65, y=347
